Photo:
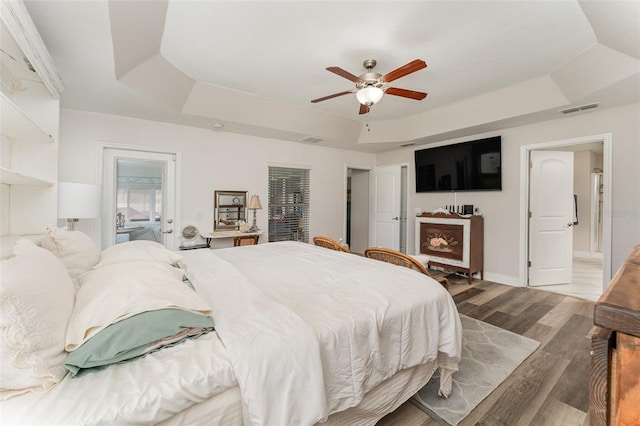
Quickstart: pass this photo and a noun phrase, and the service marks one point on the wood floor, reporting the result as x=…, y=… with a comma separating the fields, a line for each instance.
x=552, y=386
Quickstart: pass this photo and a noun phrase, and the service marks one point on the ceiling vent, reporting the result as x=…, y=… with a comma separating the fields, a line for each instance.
x=580, y=108
x=311, y=139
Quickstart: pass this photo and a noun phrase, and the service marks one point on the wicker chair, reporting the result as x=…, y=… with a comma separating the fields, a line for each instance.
x=327, y=242
x=246, y=240
x=401, y=259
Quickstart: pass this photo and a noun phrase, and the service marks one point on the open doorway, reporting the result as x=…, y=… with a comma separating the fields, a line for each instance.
x=357, y=210
x=590, y=263
x=376, y=200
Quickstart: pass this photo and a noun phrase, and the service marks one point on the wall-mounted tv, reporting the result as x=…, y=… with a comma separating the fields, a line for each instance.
x=466, y=166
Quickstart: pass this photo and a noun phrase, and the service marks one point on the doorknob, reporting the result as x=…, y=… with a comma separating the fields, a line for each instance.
x=395, y=218
x=170, y=221
x=168, y=232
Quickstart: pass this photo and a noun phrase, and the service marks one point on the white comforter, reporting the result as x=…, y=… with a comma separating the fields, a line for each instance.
x=309, y=330
x=142, y=392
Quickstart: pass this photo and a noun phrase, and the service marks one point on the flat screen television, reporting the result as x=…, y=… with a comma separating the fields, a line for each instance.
x=466, y=166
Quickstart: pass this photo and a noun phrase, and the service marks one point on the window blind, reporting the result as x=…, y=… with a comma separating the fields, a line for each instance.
x=288, y=204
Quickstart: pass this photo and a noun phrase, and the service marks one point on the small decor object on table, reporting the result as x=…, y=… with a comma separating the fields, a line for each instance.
x=254, y=205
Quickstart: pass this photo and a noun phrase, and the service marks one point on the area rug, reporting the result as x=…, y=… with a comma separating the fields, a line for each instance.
x=489, y=355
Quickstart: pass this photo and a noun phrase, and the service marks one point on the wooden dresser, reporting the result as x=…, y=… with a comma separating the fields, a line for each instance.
x=615, y=349
x=452, y=242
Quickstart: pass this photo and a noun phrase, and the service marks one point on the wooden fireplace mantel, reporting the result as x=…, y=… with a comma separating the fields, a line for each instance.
x=452, y=241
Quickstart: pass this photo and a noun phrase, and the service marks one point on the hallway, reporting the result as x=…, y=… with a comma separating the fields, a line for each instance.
x=586, y=280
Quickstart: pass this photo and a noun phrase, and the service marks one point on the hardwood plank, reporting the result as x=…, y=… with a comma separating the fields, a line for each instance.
x=518, y=324
x=572, y=387
x=531, y=297
x=498, y=318
x=490, y=291
x=461, y=297
x=455, y=287
x=538, y=373
x=407, y=415
x=572, y=335
x=542, y=333
x=473, y=311
x=556, y=413
x=507, y=299
x=563, y=311
x=489, y=405
x=556, y=298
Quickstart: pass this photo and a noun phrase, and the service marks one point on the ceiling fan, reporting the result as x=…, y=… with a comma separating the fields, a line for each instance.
x=370, y=86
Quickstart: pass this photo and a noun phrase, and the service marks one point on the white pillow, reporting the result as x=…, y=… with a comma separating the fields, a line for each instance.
x=36, y=302
x=121, y=290
x=76, y=250
x=138, y=250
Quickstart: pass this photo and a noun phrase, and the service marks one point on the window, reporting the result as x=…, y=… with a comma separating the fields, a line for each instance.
x=140, y=204
x=288, y=204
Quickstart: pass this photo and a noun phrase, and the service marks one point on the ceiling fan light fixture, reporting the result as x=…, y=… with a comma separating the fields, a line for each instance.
x=369, y=95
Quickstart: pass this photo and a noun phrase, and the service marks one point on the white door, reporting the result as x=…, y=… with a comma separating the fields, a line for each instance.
x=552, y=214
x=384, y=204
x=139, y=197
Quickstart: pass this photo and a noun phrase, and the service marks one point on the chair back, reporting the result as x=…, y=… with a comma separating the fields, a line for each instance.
x=246, y=240
x=401, y=259
x=329, y=243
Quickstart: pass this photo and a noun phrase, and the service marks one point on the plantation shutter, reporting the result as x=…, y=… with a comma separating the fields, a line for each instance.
x=288, y=204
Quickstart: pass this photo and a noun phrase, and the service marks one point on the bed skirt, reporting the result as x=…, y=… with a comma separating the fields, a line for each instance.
x=226, y=407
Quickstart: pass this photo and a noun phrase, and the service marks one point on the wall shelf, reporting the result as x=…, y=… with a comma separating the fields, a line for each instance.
x=16, y=125
x=30, y=114
x=10, y=177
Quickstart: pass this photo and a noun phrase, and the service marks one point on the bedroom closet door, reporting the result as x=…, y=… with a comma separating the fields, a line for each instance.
x=139, y=197
x=551, y=204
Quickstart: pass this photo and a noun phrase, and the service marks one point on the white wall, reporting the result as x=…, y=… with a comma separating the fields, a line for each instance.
x=218, y=160
x=501, y=209
x=212, y=160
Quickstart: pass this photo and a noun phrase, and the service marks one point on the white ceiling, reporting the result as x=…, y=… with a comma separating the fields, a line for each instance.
x=254, y=66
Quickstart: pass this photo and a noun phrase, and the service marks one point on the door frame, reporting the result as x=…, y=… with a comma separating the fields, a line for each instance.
x=177, y=223
x=606, y=140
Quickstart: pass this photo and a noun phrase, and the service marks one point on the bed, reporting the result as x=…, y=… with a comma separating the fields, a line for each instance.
x=303, y=335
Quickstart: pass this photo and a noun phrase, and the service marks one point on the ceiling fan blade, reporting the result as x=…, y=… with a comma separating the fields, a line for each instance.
x=412, y=94
x=335, y=95
x=345, y=74
x=412, y=66
x=364, y=109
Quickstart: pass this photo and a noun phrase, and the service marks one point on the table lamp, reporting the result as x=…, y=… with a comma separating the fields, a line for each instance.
x=78, y=201
x=254, y=204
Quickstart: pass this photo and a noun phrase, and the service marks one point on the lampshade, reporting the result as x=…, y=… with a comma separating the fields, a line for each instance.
x=78, y=200
x=369, y=95
x=254, y=203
